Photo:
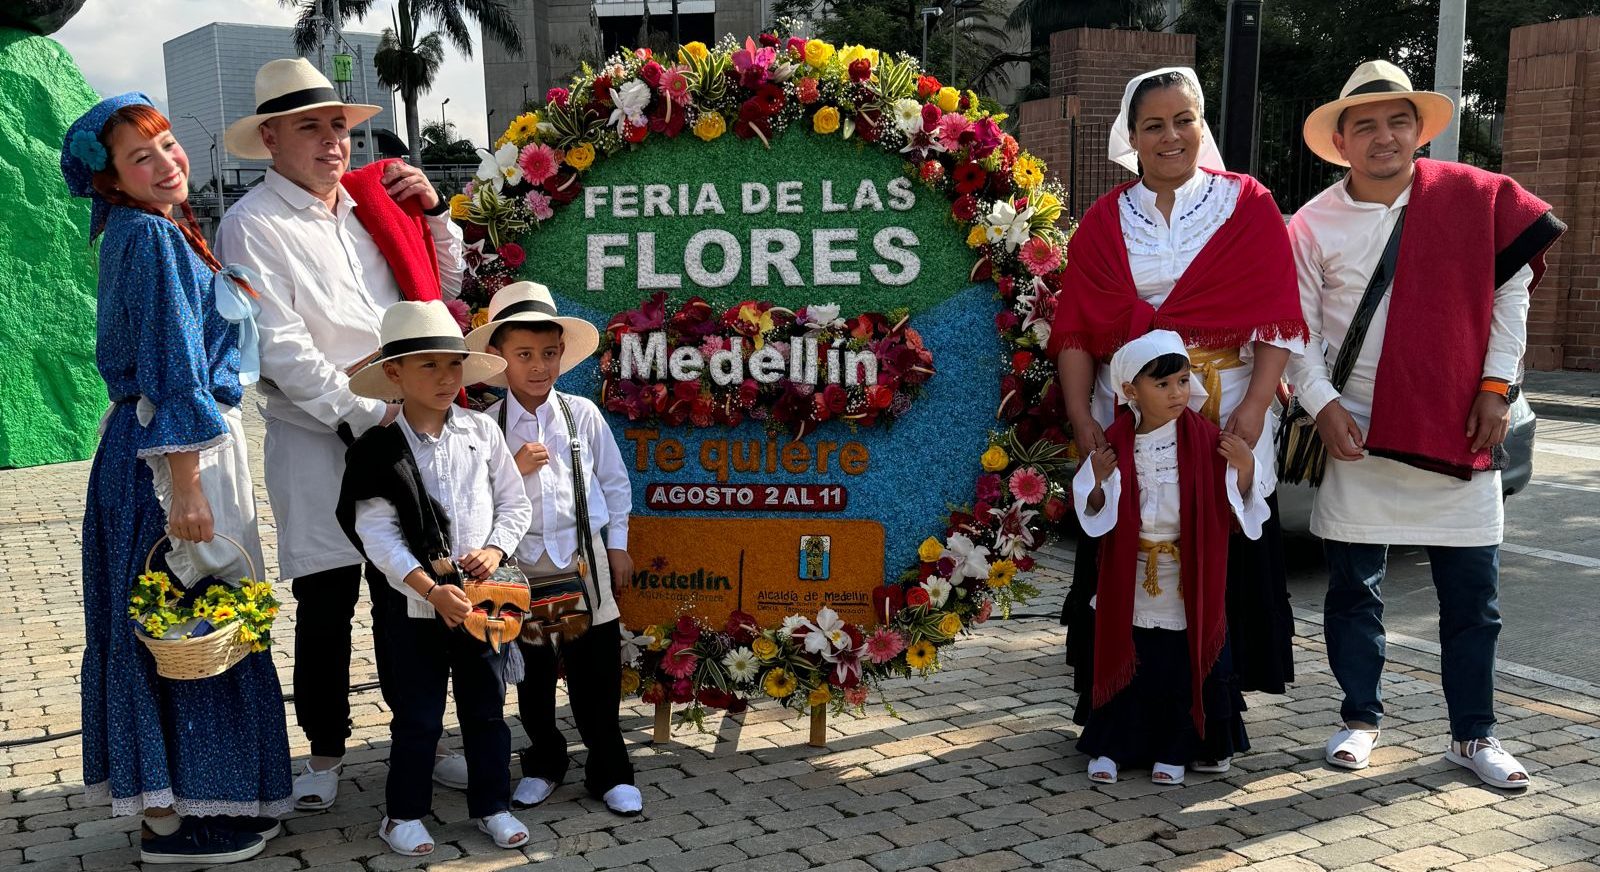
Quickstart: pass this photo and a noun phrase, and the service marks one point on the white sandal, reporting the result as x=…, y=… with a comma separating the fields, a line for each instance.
x=1103, y=770
x=408, y=838
x=1213, y=768
x=1490, y=762
x=505, y=829
x=316, y=789
x=1357, y=743
x=450, y=770
x=1166, y=774
x=531, y=791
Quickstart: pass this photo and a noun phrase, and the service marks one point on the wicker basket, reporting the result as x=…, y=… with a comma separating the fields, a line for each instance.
x=206, y=656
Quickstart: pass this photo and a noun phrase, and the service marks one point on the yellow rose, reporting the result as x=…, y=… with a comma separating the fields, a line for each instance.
x=1027, y=172
x=580, y=156
x=710, y=126
x=458, y=206
x=826, y=120
x=921, y=654
x=480, y=318
x=995, y=459
x=696, y=50
x=976, y=236
x=850, y=54
x=948, y=98
x=819, y=697
x=950, y=624
x=630, y=680
x=764, y=648
x=779, y=684
x=929, y=550
x=818, y=53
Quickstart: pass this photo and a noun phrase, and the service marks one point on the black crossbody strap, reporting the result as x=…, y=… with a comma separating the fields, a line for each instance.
x=1382, y=278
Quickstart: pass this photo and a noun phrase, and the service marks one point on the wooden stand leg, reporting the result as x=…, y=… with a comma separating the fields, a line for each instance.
x=663, y=733
x=819, y=726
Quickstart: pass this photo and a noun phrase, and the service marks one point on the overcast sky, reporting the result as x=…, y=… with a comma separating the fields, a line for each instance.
x=117, y=44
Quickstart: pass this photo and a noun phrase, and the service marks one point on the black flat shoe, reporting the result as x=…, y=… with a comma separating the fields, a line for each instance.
x=265, y=827
x=200, y=841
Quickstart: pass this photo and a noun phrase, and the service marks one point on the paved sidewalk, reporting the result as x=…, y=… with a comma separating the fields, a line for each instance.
x=975, y=771
x=1564, y=394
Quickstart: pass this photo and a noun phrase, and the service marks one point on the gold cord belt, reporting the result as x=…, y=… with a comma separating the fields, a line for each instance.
x=1150, y=550
x=1209, y=363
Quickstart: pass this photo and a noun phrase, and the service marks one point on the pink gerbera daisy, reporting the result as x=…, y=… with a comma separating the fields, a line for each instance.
x=884, y=645
x=1040, y=257
x=1028, y=484
x=679, y=662
x=539, y=204
x=538, y=162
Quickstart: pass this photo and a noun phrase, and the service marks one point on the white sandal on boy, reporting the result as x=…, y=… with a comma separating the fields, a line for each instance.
x=407, y=838
x=505, y=829
x=316, y=789
x=532, y=791
x=1166, y=773
x=1490, y=762
x=624, y=799
x=1103, y=770
x=1212, y=767
x=1357, y=743
x=450, y=770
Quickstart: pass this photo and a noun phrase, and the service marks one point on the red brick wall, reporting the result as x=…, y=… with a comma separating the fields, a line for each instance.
x=1093, y=66
x=1552, y=146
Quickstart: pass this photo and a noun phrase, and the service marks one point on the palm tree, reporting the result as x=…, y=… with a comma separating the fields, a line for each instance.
x=408, y=59
x=315, y=22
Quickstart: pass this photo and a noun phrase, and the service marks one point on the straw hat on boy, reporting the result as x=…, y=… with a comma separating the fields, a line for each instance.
x=420, y=328
x=530, y=302
x=285, y=87
x=1375, y=82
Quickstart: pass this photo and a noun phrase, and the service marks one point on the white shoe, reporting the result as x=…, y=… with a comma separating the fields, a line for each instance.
x=450, y=770
x=505, y=829
x=316, y=789
x=408, y=838
x=1490, y=762
x=1356, y=743
x=624, y=799
x=1103, y=770
x=531, y=791
x=1166, y=773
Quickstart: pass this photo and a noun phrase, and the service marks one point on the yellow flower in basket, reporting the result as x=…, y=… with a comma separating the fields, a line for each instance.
x=818, y=53
x=826, y=120
x=1001, y=573
x=950, y=624
x=929, y=550
x=820, y=696
x=764, y=648
x=921, y=654
x=695, y=50
x=580, y=157
x=995, y=459
x=779, y=684
x=222, y=614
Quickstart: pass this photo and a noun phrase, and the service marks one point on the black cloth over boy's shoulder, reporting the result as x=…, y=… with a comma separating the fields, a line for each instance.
x=380, y=465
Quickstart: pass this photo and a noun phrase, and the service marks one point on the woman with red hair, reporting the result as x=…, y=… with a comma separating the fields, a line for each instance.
x=206, y=761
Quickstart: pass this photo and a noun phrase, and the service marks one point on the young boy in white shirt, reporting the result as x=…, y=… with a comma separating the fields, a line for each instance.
x=436, y=483
x=539, y=345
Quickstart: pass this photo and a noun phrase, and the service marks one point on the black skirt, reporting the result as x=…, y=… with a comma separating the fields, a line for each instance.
x=1149, y=721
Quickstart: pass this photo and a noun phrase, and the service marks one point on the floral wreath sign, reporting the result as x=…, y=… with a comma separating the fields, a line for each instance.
x=824, y=283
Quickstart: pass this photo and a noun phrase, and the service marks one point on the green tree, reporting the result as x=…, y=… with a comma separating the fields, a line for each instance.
x=442, y=145
x=315, y=22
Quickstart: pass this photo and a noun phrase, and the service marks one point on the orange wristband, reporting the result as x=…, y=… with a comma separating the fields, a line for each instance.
x=1495, y=387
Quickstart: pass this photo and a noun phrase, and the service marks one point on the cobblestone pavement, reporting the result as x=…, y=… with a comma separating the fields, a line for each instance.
x=975, y=770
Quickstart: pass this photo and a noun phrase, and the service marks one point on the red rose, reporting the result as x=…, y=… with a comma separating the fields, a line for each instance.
x=654, y=694
x=686, y=632
x=927, y=86
x=651, y=73
x=681, y=691
x=930, y=117
x=769, y=40
x=965, y=208
x=512, y=254
x=1006, y=320
x=836, y=397
x=916, y=597
x=880, y=397
x=797, y=46
x=1055, y=508
x=1025, y=564
x=557, y=96
x=860, y=70
x=1021, y=361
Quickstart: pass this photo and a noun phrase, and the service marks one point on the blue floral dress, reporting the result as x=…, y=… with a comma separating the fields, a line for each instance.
x=215, y=746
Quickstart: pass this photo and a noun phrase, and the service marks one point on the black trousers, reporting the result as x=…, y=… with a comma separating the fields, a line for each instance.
x=424, y=660
x=327, y=606
x=594, y=686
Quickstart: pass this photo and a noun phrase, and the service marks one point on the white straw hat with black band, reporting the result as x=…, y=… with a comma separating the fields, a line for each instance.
x=420, y=328
x=285, y=87
x=1376, y=82
x=531, y=303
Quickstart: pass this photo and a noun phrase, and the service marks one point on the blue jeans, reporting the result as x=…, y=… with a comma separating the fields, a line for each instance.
x=1467, y=583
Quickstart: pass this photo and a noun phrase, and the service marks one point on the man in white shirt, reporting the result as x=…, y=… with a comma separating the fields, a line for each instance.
x=1412, y=433
x=325, y=283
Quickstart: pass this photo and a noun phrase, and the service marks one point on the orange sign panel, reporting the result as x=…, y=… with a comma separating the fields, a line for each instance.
x=769, y=568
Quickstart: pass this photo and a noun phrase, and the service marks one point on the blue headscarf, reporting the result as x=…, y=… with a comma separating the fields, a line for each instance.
x=83, y=155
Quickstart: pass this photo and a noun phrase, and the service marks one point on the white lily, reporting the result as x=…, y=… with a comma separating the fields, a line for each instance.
x=1006, y=223
x=634, y=645
x=630, y=101
x=499, y=167
x=741, y=664
x=938, y=588
x=826, y=633
x=972, y=559
x=907, y=115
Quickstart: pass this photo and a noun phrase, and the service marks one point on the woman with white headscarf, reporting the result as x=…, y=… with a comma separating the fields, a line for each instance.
x=1192, y=248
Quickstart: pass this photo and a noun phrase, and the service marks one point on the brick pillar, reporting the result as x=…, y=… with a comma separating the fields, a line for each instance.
x=1552, y=146
x=1094, y=67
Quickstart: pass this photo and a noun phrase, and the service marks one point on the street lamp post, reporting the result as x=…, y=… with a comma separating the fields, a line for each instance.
x=441, y=111
x=928, y=13
x=955, y=19
x=216, y=172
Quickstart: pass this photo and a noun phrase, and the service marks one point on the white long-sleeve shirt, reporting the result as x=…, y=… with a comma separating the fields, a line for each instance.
x=1155, y=464
x=1338, y=242
x=1159, y=253
x=469, y=470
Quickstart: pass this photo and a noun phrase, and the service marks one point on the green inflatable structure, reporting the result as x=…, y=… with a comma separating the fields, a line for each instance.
x=51, y=397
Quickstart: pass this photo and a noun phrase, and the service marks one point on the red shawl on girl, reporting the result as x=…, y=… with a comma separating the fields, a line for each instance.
x=400, y=231
x=1241, y=285
x=1204, y=526
x=1468, y=231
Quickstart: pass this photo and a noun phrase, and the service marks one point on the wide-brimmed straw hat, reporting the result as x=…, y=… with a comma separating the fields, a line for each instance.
x=285, y=87
x=531, y=302
x=420, y=328
x=1375, y=82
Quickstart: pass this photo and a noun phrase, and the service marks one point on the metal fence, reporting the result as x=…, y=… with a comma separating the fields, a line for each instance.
x=1090, y=173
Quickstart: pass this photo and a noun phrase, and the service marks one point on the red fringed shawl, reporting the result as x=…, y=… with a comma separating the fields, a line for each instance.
x=1468, y=231
x=400, y=231
x=1240, y=286
x=1204, y=526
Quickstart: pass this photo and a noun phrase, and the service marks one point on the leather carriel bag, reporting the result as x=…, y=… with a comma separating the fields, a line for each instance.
x=1301, y=455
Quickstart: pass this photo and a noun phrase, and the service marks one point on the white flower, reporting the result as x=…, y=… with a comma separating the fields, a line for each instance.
x=1014, y=539
x=499, y=168
x=633, y=645
x=741, y=664
x=791, y=624
x=938, y=589
x=820, y=316
x=1005, y=222
x=972, y=559
x=630, y=101
x=782, y=72
x=907, y=115
x=827, y=633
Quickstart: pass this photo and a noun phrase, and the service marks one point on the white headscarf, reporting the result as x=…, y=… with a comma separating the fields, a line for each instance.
x=1122, y=151
x=1134, y=356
